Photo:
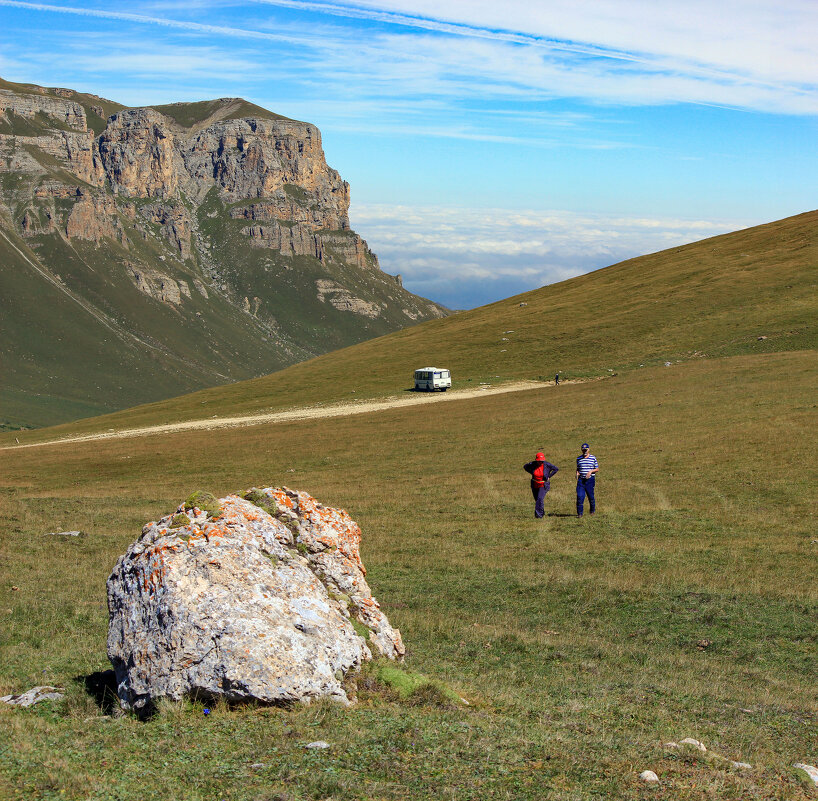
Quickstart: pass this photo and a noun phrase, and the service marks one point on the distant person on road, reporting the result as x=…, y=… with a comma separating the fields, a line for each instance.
x=541, y=472
x=557, y=379
x=587, y=468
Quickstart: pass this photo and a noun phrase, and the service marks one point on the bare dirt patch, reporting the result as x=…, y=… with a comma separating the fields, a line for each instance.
x=305, y=413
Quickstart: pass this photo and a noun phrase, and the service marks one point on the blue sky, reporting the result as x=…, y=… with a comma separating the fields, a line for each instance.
x=491, y=147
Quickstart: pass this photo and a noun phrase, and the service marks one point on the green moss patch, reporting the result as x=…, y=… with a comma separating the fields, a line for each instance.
x=262, y=500
x=205, y=501
x=265, y=502
x=179, y=520
x=409, y=687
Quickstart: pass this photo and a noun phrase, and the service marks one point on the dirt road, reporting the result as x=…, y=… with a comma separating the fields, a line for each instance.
x=305, y=413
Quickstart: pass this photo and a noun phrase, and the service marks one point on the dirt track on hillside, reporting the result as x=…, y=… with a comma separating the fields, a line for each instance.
x=305, y=413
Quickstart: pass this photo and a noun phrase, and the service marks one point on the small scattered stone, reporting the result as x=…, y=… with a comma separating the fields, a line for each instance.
x=760, y=339
x=809, y=770
x=63, y=534
x=741, y=765
x=258, y=765
x=670, y=745
x=702, y=644
x=693, y=744
x=33, y=696
x=317, y=744
x=648, y=776
x=14, y=589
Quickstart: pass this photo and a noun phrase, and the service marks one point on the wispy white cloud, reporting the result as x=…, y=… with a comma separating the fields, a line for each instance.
x=145, y=19
x=747, y=55
x=148, y=60
x=750, y=55
x=465, y=257
x=765, y=40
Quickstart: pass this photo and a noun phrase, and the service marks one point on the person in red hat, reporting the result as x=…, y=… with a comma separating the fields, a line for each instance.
x=541, y=472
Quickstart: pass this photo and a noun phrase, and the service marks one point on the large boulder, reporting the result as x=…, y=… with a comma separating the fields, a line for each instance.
x=256, y=598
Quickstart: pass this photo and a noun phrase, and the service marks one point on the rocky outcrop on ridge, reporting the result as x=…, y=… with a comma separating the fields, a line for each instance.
x=258, y=598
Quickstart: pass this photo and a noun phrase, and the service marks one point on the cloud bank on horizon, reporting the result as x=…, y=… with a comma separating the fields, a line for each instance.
x=469, y=257
x=462, y=126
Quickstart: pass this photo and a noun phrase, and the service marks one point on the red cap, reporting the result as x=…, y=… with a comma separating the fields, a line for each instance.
x=540, y=457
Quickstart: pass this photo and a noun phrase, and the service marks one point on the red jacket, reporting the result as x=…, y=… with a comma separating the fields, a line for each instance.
x=541, y=472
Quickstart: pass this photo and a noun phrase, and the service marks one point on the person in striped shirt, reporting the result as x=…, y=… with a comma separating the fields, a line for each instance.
x=587, y=468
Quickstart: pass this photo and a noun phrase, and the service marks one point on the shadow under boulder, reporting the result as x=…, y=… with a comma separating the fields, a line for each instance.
x=101, y=686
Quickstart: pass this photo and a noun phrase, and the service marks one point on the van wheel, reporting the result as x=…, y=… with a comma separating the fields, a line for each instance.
x=443, y=389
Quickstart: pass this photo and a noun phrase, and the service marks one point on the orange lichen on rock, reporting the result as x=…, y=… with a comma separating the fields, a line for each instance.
x=331, y=540
x=258, y=604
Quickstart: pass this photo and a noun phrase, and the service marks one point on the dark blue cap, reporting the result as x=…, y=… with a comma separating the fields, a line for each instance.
x=585, y=445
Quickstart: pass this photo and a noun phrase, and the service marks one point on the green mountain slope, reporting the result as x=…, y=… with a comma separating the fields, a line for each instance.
x=145, y=253
x=751, y=291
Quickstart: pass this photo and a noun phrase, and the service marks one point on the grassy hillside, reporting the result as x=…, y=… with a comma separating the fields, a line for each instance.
x=686, y=607
x=92, y=328
x=91, y=103
x=712, y=298
x=193, y=115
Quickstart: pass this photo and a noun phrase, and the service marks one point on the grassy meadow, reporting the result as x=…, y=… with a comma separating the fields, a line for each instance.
x=748, y=292
x=687, y=607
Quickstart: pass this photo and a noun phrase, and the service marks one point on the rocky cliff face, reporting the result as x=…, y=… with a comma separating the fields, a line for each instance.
x=222, y=196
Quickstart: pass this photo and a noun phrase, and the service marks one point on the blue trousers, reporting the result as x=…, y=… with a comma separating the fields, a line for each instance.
x=585, y=486
x=539, y=499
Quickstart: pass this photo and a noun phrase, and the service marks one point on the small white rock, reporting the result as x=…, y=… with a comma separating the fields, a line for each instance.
x=648, y=776
x=63, y=533
x=670, y=745
x=317, y=744
x=811, y=771
x=33, y=696
x=741, y=765
x=693, y=743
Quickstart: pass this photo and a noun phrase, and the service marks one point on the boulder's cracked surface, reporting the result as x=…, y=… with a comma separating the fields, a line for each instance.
x=239, y=603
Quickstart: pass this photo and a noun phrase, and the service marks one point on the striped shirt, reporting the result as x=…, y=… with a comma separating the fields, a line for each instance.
x=586, y=463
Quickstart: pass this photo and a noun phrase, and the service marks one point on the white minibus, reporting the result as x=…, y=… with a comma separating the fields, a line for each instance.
x=432, y=378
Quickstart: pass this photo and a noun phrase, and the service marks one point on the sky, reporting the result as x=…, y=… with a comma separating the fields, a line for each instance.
x=491, y=147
